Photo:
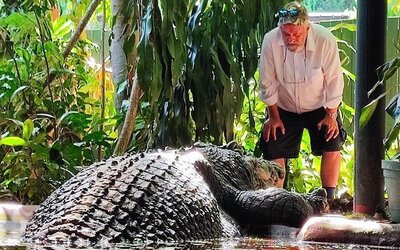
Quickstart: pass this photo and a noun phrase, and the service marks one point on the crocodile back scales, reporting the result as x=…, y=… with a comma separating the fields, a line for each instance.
x=151, y=196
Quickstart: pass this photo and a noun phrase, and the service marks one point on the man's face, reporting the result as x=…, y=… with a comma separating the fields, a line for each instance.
x=294, y=36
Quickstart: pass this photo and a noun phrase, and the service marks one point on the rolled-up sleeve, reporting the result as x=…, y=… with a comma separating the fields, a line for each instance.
x=268, y=91
x=333, y=75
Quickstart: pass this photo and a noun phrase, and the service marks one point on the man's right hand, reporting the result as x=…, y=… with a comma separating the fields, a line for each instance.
x=270, y=128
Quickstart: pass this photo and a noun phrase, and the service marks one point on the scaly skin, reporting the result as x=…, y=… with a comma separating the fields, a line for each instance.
x=255, y=206
x=158, y=196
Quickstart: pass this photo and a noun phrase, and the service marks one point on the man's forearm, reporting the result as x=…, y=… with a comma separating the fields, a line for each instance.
x=273, y=111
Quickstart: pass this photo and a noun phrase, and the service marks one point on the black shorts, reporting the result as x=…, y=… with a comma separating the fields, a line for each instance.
x=288, y=145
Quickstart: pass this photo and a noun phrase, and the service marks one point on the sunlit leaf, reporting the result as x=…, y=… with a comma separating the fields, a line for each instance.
x=62, y=26
x=343, y=25
x=13, y=141
x=348, y=74
x=24, y=22
x=368, y=110
x=27, y=129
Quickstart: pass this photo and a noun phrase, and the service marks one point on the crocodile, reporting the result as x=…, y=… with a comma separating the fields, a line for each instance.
x=197, y=193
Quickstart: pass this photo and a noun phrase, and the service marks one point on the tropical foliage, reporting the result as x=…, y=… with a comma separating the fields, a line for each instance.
x=193, y=91
x=203, y=64
x=393, y=7
x=385, y=72
x=195, y=63
x=47, y=127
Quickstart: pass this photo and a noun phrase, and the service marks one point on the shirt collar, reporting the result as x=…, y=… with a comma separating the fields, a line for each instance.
x=310, y=45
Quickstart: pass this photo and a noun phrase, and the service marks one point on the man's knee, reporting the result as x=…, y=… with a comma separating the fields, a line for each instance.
x=331, y=155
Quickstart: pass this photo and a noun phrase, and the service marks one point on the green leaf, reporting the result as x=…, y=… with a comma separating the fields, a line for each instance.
x=348, y=45
x=145, y=51
x=22, y=22
x=146, y=62
x=27, y=129
x=20, y=89
x=368, y=110
x=157, y=83
x=393, y=107
x=219, y=70
x=19, y=123
x=53, y=52
x=97, y=136
x=392, y=135
x=130, y=44
x=348, y=74
x=385, y=71
x=122, y=87
x=161, y=8
x=26, y=57
x=146, y=27
x=67, y=115
x=44, y=115
x=13, y=141
x=248, y=13
x=344, y=25
x=62, y=26
x=234, y=67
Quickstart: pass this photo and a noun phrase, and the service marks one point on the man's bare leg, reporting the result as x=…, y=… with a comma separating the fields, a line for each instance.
x=330, y=169
x=281, y=163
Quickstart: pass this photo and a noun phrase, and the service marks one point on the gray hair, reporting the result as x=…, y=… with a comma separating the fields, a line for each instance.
x=286, y=14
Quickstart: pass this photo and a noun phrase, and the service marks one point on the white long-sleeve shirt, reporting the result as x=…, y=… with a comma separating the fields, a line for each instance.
x=301, y=81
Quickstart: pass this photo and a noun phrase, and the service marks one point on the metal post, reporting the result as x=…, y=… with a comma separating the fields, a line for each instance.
x=369, y=151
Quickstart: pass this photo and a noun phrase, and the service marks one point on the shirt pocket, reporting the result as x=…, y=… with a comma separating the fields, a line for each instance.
x=316, y=76
x=313, y=91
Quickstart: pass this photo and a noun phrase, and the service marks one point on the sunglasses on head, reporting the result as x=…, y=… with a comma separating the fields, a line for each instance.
x=286, y=12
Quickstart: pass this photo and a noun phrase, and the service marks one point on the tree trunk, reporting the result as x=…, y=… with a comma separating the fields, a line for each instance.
x=81, y=26
x=120, y=63
x=130, y=118
x=118, y=58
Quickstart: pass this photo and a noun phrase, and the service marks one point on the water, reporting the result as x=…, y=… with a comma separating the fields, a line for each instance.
x=238, y=243
x=13, y=220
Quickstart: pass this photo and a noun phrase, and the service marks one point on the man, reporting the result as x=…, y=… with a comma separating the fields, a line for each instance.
x=301, y=82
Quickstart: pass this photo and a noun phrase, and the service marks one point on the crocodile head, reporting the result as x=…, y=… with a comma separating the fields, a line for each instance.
x=231, y=167
x=265, y=173
x=318, y=201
